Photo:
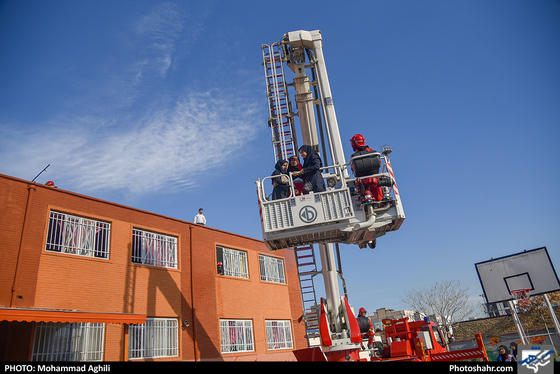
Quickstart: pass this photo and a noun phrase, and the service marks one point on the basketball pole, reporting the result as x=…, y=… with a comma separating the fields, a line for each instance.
x=518, y=324
x=552, y=315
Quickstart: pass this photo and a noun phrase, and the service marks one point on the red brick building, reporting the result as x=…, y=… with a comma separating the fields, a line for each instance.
x=86, y=279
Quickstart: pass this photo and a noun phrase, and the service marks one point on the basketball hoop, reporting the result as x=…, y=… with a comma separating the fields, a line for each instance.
x=522, y=297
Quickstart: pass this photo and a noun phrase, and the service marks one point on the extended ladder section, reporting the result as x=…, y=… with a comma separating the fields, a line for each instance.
x=341, y=214
x=349, y=210
x=307, y=269
x=280, y=118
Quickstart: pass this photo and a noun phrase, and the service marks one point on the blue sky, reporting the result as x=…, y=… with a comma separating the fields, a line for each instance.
x=161, y=105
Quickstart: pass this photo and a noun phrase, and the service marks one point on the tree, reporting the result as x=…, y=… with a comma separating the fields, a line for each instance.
x=537, y=310
x=445, y=298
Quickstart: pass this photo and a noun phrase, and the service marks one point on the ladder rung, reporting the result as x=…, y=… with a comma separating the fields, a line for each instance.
x=284, y=125
x=307, y=273
x=286, y=131
x=307, y=264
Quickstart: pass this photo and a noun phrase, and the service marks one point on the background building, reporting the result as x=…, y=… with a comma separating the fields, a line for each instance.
x=86, y=279
x=387, y=313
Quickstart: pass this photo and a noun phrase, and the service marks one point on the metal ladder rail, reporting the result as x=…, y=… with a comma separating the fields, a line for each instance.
x=280, y=114
x=278, y=104
x=276, y=91
x=307, y=269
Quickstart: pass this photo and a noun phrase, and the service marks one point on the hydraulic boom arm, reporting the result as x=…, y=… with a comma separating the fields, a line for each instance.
x=339, y=214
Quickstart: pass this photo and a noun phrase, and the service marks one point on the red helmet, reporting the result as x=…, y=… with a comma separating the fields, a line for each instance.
x=362, y=310
x=358, y=140
x=50, y=183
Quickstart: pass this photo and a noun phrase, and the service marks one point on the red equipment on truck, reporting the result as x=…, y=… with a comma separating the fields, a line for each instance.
x=420, y=341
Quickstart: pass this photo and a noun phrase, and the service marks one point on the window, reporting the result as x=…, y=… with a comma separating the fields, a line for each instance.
x=68, y=341
x=234, y=262
x=78, y=236
x=436, y=332
x=279, y=335
x=236, y=335
x=149, y=248
x=272, y=269
x=438, y=336
x=158, y=337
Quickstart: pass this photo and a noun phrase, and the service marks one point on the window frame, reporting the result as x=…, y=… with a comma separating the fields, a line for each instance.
x=65, y=341
x=235, y=262
x=162, y=245
x=275, y=266
x=148, y=340
x=243, y=330
x=279, y=334
x=78, y=235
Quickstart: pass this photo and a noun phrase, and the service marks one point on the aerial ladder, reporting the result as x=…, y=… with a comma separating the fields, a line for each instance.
x=338, y=215
x=341, y=214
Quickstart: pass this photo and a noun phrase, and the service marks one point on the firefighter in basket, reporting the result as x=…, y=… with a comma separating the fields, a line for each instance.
x=366, y=328
x=370, y=188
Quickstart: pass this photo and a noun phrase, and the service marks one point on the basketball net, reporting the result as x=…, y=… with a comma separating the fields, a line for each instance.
x=522, y=297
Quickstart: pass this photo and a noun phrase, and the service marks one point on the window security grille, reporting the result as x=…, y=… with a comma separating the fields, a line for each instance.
x=149, y=248
x=78, y=236
x=158, y=337
x=279, y=335
x=234, y=262
x=236, y=335
x=68, y=341
x=272, y=269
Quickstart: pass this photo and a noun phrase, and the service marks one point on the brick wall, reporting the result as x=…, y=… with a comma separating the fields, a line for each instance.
x=193, y=292
x=218, y=297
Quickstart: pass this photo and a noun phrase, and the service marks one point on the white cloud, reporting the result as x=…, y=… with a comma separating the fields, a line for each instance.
x=167, y=148
x=158, y=34
x=127, y=134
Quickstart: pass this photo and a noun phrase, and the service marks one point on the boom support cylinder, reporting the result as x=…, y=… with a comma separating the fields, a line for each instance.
x=331, y=123
x=328, y=271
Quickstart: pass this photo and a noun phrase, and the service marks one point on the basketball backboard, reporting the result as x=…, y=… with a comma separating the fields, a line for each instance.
x=530, y=269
